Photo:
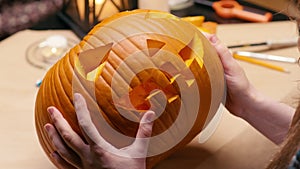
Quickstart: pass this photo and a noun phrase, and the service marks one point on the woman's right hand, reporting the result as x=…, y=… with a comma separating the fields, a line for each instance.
x=240, y=93
x=267, y=115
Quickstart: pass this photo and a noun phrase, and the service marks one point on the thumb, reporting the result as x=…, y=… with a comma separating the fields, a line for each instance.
x=146, y=124
x=230, y=65
x=140, y=145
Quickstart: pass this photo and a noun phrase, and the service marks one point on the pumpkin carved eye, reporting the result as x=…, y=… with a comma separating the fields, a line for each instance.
x=92, y=59
x=128, y=64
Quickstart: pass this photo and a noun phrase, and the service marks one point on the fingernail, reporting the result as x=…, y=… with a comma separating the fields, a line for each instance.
x=150, y=117
x=50, y=110
x=47, y=128
x=214, y=39
x=76, y=96
x=53, y=155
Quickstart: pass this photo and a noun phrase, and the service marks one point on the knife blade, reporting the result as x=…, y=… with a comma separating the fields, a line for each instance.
x=270, y=44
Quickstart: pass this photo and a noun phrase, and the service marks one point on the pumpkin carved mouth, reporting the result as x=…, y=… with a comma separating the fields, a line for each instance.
x=90, y=65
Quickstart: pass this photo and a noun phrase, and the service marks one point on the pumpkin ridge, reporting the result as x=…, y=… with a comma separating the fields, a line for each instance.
x=60, y=95
x=105, y=75
x=67, y=71
x=65, y=81
x=115, y=75
x=91, y=45
x=51, y=86
x=39, y=126
x=63, y=85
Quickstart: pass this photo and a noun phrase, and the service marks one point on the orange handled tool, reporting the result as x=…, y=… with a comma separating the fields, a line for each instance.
x=232, y=9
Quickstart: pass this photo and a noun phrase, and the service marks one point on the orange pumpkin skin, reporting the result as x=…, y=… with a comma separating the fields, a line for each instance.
x=144, y=51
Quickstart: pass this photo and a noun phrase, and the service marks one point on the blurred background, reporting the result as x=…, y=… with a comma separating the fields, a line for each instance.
x=82, y=15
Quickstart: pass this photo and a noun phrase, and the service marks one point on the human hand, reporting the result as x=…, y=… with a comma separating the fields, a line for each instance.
x=267, y=115
x=240, y=93
x=73, y=152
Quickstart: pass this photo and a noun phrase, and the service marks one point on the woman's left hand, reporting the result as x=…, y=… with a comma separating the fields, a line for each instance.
x=73, y=152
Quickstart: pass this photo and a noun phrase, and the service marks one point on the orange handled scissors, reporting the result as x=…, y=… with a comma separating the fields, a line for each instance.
x=232, y=9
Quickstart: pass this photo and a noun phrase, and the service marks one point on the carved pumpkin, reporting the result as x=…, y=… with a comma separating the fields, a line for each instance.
x=132, y=62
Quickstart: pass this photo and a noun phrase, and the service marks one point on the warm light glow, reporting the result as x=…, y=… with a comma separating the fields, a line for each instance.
x=109, y=8
x=98, y=9
x=53, y=50
x=99, y=2
x=81, y=8
x=80, y=5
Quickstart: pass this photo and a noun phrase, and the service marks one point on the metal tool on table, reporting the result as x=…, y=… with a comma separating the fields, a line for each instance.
x=269, y=44
x=232, y=9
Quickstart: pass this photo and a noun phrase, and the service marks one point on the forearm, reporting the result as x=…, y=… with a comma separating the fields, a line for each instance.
x=269, y=116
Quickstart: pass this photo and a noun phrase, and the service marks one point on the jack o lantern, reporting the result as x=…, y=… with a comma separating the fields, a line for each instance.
x=132, y=62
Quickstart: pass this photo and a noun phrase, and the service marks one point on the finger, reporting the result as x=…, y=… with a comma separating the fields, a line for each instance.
x=67, y=154
x=90, y=131
x=222, y=50
x=71, y=138
x=144, y=133
x=60, y=162
x=229, y=63
x=207, y=35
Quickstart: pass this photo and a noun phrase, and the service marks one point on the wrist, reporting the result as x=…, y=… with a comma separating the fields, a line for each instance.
x=253, y=101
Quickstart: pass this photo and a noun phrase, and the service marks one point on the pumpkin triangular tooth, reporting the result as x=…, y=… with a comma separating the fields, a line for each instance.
x=154, y=46
x=190, y=82
x=185, y=53
x=93, y=58
x=194, y=49
x=172, y=99
x=154, y=93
